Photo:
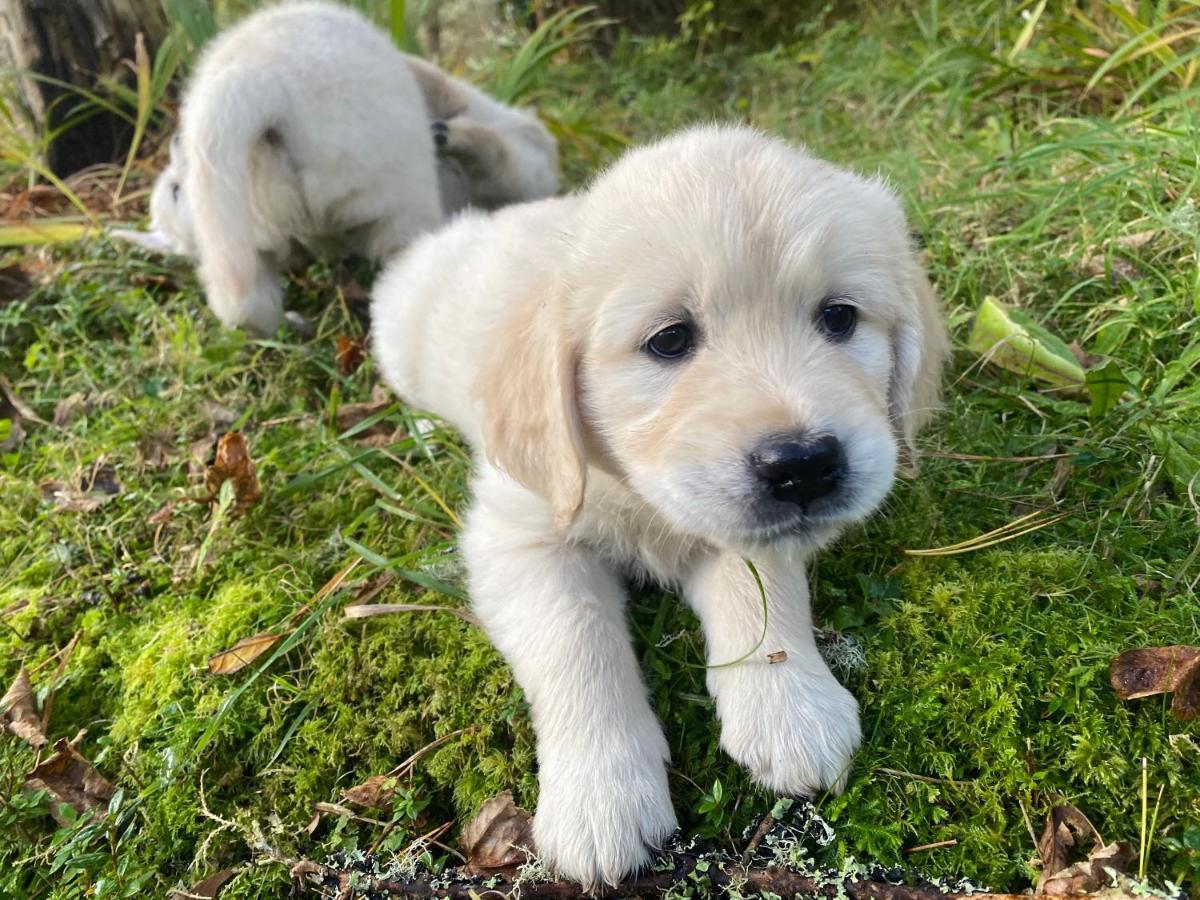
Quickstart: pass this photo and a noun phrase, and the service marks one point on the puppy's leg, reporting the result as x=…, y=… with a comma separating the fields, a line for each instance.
x=485, y=158
x=790, y=723
x=557, y=614
x=255, y=304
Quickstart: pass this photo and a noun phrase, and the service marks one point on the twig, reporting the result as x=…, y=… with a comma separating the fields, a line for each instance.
x=367, y=610
x=432, y=745
x=767, y=823
x=927, y=779
x=64, y=658
x=934, y=846
x=976, y=457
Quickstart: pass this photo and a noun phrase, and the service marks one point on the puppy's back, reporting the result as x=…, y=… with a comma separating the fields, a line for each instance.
x=437, y=309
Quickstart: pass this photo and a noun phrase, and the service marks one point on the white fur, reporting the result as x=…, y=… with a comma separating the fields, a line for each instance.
x=303, y=124
x=525, y=330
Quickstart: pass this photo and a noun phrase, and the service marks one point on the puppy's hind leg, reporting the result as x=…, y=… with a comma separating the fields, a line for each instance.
x=557, y=614
x=254, y=303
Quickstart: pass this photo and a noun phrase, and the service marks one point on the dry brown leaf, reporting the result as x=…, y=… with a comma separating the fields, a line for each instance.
x=19, y=710
x=11, y=403
x=101, y=478
x=1066, y=827
x=241, y=654
x=233, y=463
x=66, y=409
x=350, y=414
x=350, y=353
x=162, y=515
x=1148, y=671
x=1089, y=876
x=209, y=888
x=499, y=838
x=72, y=780
x=1095, y=264
x=157, y=448
x=375, y=792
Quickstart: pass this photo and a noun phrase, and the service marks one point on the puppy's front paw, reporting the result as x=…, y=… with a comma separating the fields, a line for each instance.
x=599, y=816
x=796, y=732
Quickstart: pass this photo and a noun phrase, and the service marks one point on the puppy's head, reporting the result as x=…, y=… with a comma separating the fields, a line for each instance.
x=170, y=222
x=742, y=333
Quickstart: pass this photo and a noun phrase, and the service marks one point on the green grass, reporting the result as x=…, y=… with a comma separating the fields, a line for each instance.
x=985, y=672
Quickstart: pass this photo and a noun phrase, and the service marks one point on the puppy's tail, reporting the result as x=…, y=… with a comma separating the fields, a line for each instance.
x=225, y=124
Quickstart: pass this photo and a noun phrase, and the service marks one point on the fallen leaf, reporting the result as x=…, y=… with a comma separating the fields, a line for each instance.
x=351, y=415
x=73, y=781
x=1010, y=339
x=374, y=793
x=101, y=478
x=66, y=409
x=355, y=294
x=1090, y=875
x=1106, y=384
x=10, y=401
x=1159, y=670
x=15, y=284
x=241, y=654
x=162, y=515
x=157, y=448
x=350, y=353
x=1065, y=827
x=209, y=888
x=233, y=463
x=1096, y=264
x=499, y=838
x=777, y=656
x=20, y=711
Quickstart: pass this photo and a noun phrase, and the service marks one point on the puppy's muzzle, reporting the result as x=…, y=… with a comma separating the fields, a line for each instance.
x=800, y=471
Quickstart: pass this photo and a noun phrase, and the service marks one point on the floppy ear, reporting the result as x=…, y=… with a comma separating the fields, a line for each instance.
x=919, y=350
x=531, y=423
x=154, y=241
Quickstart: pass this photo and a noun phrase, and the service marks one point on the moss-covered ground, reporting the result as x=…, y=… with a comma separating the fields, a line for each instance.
x=985, y=688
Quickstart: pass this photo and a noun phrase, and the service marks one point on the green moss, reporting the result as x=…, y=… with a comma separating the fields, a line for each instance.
x=986, y=673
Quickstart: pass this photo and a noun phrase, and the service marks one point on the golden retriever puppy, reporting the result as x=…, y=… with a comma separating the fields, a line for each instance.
x=304, y=126
x=717, y=353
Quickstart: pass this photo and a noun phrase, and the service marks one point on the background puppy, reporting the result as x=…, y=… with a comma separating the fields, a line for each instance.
x=717, y=353
x=491, y=154
x=303, y=124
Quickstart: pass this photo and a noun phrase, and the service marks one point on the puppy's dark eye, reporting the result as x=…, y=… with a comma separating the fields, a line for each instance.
x=672, y=342
x=838, y=320
x=175, y=192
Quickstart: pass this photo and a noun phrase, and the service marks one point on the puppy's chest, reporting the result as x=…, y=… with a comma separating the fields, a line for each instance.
x=632, y=535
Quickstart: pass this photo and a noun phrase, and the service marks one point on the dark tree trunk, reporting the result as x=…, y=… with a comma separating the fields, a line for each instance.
x=77, y=42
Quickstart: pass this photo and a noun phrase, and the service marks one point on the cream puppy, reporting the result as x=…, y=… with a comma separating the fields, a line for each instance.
x=304, y=125
x=717, y=353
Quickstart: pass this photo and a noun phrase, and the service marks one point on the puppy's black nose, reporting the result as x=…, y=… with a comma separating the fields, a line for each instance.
x=798, y=471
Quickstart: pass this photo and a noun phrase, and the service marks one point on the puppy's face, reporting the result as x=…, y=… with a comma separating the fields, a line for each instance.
x=170, y=222
x=752, y=336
